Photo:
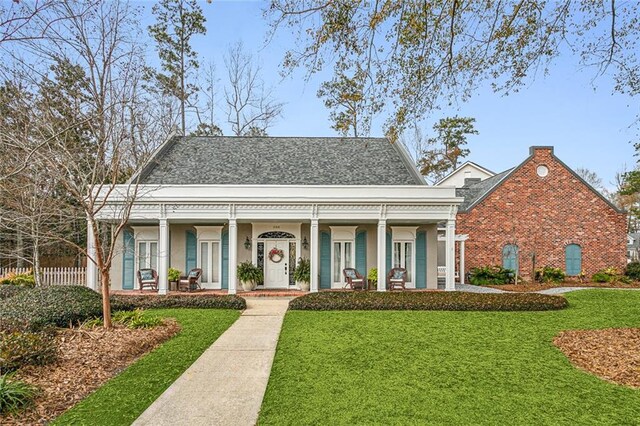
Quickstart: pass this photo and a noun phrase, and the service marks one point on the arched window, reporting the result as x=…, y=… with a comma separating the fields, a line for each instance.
x=276, y=234
x=510, y=257
x=573, y=259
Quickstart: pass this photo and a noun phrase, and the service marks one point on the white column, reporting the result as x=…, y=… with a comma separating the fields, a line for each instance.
x=92, y=270
x=163, y=256
x=462, y=262
x=382, y=255
x=233, y=255
x=314, y=256
x=450, y=255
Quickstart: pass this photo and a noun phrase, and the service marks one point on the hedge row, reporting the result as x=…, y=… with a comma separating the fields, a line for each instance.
x=203, y=301
x=59, y=306
x=437, y=301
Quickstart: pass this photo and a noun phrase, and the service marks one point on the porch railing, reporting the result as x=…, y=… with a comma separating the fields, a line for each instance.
x=53, y=276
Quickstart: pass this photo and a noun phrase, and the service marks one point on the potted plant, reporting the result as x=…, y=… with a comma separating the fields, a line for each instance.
x=372, y=278
x=302, y=274
x=249, y=275
x=173, y=275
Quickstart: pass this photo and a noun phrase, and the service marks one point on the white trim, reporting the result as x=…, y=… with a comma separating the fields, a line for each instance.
x=209, y=232
x=342, y=235
x=460, y=168
x=146, y=233
x=210, y=242
x=420, y=194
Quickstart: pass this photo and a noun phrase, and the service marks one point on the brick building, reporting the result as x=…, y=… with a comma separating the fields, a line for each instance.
x=540, y=209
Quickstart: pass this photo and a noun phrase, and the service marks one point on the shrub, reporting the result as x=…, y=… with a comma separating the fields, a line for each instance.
x=633, y=271
x=547, y=274
x=609, y=275
x=7, y=291
x=60, y=306
x=203, y=301
x=438, y=301
x=136, y=319
x=18, y=348
x=491, y=275
x=173, y=274
x=20, y=280
x=14, y=394
x=373, y=275
x=302, y=272
x=249, y=273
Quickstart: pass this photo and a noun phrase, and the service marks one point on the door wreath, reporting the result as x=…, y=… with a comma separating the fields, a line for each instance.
x=276, y=255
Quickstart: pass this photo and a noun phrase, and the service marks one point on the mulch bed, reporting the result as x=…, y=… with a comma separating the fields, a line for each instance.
x=528, y=287
x=612, y=354
x=86, y=360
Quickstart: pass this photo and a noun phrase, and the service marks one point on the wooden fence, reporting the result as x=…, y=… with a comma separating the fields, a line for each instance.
x=53, y=276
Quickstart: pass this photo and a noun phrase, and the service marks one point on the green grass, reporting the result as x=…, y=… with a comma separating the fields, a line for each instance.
x=435, y=367
x=121, y=400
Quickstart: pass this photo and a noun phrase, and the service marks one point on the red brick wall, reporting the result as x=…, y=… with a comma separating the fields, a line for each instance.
x=543, y=215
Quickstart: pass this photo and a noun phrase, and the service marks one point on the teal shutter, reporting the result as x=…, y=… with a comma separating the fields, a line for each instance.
x=421, y=259
x=389, y=249
x=225, y=260
x=191, y=251
x=573, y=259
x=510, y=257
x=361, y=252
x=325, y=260
x=128, y=259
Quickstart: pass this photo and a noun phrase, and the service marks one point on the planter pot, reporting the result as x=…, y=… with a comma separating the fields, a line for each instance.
x=304, y=286
x=173, y=285
x=247, y=285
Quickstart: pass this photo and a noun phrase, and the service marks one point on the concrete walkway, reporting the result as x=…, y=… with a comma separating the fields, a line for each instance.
x=225, y=386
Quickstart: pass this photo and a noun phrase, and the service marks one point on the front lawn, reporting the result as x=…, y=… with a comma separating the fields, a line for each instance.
x=435, y=367
x=121, y=400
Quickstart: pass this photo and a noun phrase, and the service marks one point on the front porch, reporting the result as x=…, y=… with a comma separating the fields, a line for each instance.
x=334, y=227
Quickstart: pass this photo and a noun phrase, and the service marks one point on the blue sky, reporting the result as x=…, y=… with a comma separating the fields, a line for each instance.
x=589, y=127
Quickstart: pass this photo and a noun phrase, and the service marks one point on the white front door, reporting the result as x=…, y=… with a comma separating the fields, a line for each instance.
x=276, y=268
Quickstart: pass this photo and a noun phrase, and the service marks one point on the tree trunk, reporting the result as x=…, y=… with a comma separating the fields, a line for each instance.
x=106, y=303
x=36, y=263
x=19, y=249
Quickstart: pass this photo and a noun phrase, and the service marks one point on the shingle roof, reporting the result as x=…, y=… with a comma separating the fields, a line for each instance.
x=286, y=161
x=476, y=191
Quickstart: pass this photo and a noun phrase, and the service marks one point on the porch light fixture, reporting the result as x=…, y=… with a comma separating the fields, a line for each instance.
x=305, y=243
x=247, y=243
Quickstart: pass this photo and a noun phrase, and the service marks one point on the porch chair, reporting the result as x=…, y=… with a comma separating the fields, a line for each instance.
x=354, y=279
x=148, y=278
x=396, y=278
x=190, y=281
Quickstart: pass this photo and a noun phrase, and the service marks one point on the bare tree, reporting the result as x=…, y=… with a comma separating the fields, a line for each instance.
x=251, y=107
x=89, y=116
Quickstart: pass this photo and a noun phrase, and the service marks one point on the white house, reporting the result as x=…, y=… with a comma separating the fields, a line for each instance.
x=212, y=202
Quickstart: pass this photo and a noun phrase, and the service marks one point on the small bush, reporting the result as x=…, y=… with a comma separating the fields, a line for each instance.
x=203, y=301
x=20, y=280
x=14, y=394
x=609, y=275
x=18, y=349
x=136, y=319
x=60, y=306
x=173, y=274
x=488, y=275
x=437, y=301
x=547, y=274
x=633, y=271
